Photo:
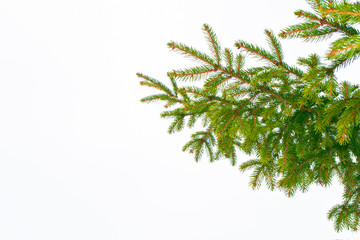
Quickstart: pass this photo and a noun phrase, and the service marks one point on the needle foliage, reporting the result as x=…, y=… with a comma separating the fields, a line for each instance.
x=300, y=123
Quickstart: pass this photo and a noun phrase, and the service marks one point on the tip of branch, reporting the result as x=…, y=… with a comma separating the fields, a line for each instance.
x=171, y=45
x=267, y=31
x=298, y=13
x=239, y=45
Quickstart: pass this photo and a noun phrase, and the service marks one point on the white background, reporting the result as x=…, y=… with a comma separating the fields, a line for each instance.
x=82, y=158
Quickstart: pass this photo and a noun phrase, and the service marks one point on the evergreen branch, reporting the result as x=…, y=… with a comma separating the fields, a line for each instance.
x=173, y=83
x=239, y=62
x=195, y=93
x=241, y=123
x=307, y=15
x=177, y=124
x=271, y=179
x=323, y=21
x=255, y=177
x=236, y=94
x=199, y=104
x=233, y=156
x=342, y=12
x=280, y=137
x=192, y=73
x=213, y=42
x=229, y=58
x=339, y=173
x=210, y=152
x=222, y=100
x=248, y=100
x=318, y=35
x=223, y=80
x=235, y=86
x=313, y=86
x=254, y=125
x=303, y=125
x=217, y=107
x=249, y=164
x=342, y=28
x=331, y=83
x=272, y=109
x=279, y=97
x=191, y=52
x=294, y=30
x=309, y=160
x=286, y=153
x=150, y=85
x=256, y=51
x=357, y=209
x=199, y=140
x=163, y=97
x=226, y=124
x=262, y=54
x=312, y=61
x=314, y=72
x=269, y=98
x=346, y=47
x=214, y=79
x=275, y=44
x=317, y=4
x=283, y=181
x=235, y=76
x=290, y=188
x=150, y=82
x=334, y=52
x=207, y=133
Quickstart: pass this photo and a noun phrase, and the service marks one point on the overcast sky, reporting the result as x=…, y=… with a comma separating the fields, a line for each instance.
x=82, y=158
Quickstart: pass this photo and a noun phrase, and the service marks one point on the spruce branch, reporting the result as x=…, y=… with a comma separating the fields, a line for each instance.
x=150, y=82
x=303, y=125
x=189, y=51
x=275, y=45
x=213, y=42
x=345, y=48
x=194, y=73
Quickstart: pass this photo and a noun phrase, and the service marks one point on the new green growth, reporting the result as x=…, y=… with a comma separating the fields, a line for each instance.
x=299, y=121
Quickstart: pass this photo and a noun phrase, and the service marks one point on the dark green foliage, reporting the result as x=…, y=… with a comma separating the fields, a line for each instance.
x=299, y=121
